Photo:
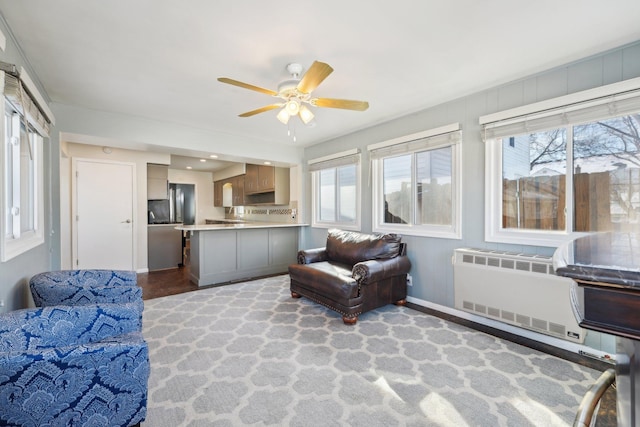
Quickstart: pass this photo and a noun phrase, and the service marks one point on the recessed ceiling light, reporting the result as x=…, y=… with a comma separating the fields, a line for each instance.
x=203, y=160
x=189, y=167
x=213, y=156
x=267, y=163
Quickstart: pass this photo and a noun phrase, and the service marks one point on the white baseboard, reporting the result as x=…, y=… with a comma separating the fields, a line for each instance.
x=525, y=333
x=142, y=270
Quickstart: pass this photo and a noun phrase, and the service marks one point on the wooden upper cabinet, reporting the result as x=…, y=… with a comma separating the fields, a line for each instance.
x=251, y=179
x=217, y=193
x=260, y=185
x=266, y=178
x=259, y=179
x=238, y=190
x=235, y=185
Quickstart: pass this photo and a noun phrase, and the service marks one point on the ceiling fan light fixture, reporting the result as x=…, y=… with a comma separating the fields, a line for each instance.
x=293, y=106
x=305, y=115
x=283, y=116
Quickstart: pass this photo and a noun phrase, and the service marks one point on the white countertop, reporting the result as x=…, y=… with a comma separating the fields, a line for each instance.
x=244, y=225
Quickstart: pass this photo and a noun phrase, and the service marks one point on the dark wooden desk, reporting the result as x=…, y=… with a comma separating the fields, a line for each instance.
x=606, y=297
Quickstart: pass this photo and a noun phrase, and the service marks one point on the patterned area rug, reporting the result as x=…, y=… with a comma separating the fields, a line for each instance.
x=249, y=354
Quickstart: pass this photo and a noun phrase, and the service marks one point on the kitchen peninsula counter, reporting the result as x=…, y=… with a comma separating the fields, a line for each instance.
x=238, y=225
x=240, y=251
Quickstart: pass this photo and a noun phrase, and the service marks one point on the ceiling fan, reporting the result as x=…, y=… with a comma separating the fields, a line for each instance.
x=296, y=94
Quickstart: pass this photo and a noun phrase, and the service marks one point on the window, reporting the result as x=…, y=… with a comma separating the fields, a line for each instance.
x=336, y=190
x=564, y=171
x=416, y=183
x=22, y=161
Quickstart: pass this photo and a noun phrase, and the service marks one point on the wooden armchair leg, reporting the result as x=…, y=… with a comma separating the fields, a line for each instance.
x=350, y=320
x=295, y=295
x=401, y=302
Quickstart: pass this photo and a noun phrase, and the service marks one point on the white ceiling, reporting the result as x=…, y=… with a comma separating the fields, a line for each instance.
x=160, y=59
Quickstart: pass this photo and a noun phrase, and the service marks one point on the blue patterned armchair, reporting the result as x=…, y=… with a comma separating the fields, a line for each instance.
x=74, y=287
x=84, y=365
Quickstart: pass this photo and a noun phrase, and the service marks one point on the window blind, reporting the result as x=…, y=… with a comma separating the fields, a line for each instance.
x=431, y=142
x=618, y=104
x=350, y=158
x=22, y=101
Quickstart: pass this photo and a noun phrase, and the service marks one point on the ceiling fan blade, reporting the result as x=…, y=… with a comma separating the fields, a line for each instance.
x=314, y=76
x=247, y=86
x=260, y=110
x=345, y=104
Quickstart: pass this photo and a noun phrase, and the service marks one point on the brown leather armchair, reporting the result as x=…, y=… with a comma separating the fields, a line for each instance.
x=354, y=273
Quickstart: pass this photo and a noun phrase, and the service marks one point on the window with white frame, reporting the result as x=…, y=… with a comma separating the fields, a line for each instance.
x=416, y=183
x=22, y=160
x=336, y=190
x=567, y=166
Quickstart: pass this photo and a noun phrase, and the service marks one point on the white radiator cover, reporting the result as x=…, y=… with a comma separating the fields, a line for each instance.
x=517, y=289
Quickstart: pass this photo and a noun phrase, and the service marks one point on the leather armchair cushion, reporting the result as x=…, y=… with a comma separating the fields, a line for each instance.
x=351, y=247
x=332, y=280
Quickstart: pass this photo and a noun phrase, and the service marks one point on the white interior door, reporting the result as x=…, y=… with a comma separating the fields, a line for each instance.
x=103, y=214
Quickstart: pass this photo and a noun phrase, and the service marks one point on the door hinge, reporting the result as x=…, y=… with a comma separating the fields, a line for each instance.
x=77, y=262
x=77, y=174
x=77, y=217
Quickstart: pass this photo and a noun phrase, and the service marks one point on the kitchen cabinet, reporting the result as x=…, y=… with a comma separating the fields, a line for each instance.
x=235, y=185
x=164, y=246
x=157, y=182
x=217, y=193
x=266, y=185
x=237, y=190
x=224, y=254
x=259, y=179
x=260, y=185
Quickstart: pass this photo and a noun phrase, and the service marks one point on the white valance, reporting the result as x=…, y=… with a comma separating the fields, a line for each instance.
x=351, y=157
x=431, y=139
x=606, y=102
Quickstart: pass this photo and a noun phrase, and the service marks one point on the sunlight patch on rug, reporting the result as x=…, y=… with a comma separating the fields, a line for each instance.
x=439, y=410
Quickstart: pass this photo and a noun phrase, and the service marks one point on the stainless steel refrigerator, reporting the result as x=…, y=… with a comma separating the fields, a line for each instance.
x=182, y=204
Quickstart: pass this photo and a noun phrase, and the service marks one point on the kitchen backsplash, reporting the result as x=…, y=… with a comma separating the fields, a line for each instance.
x=288, y=214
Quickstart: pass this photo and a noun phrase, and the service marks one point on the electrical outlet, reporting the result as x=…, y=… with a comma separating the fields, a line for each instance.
x=409, y=280
x=1, y=303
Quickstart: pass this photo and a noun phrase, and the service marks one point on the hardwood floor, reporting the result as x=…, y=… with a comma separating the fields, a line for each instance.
x=172, y=281
x=165, y=282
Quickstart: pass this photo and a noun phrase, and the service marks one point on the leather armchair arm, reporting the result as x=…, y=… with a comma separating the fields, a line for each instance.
x=312, y=255
x=378, y=269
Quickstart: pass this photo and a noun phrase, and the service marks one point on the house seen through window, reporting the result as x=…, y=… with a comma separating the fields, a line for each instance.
x=417, y=184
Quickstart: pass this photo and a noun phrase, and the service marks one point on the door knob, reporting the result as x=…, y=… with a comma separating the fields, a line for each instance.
x=127, y=221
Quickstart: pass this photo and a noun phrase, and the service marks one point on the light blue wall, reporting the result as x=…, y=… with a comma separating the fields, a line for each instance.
x=15, y=273
x=432, y=270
